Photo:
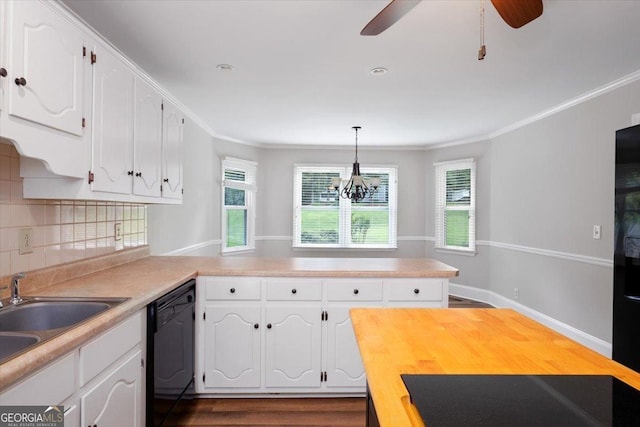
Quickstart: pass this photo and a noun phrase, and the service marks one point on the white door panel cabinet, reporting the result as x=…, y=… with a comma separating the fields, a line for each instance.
x=292, y=335
x=99, y=383
x=147, y=141
x=293, y=346
x=172, y=136
x=232, y=347
x=42, y=103
x=116, y=400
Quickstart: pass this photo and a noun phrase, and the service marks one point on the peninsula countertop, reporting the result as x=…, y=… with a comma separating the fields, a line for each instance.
x=145, y=279
x=462, y=341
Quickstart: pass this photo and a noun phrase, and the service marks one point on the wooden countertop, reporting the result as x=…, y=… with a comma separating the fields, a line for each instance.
x=462, y=341
x=147, y=278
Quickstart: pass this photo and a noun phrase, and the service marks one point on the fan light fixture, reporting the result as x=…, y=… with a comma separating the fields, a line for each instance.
x=356, y=188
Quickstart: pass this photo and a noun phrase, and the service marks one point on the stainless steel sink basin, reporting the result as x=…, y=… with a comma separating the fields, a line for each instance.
x=38, y=319
x=14, y=343
x=45, y=315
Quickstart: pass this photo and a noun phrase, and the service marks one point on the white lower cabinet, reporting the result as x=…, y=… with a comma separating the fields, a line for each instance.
x=232, y=347
x=292, y=335
x=116, y=399
x=99, y=384
x=293, y=346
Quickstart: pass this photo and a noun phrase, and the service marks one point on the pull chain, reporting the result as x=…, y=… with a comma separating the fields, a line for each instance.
x=482, y=52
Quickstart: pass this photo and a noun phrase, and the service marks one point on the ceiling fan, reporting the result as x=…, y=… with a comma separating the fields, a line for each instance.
x=516, y=13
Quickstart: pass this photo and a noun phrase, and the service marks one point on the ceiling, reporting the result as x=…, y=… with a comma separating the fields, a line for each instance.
x=301, y=70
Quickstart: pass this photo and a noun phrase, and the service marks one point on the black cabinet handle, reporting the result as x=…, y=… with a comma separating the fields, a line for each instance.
x=21, y=81
x=138, y=174
x=355, y=291
x=130, y=173
x=293, y=291
x=166, y=180
x=416, y=291
x=232, y=290
x=256, y=326
x=3, y=72
x=268, y=325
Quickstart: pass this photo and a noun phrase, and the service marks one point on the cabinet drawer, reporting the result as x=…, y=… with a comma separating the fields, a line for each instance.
x=49, y=386
x=231, y=289
x=413, y=290
x=354, y=290
x=294, y=290
x=109, y=347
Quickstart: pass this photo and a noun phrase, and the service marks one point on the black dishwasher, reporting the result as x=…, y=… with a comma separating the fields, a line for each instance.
x=170, y=339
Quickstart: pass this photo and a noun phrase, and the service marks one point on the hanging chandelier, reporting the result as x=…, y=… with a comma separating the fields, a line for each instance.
x=356, y=188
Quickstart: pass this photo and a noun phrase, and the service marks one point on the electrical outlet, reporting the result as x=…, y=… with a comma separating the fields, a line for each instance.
x=516, y=293
x=25, y=241
x=596, y=232
x=117, y=231
x=635, y=119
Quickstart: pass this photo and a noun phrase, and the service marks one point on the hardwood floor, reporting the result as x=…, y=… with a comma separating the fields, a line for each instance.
x=338, y=412
x=297, y=412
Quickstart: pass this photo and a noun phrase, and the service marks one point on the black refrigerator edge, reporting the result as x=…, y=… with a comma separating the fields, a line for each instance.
x=626, y=258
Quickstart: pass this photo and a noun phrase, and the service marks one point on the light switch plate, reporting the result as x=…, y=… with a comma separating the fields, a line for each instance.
x=597, y=232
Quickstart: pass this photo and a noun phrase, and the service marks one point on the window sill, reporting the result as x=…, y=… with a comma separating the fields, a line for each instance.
x=464, y=252
x=342, y=248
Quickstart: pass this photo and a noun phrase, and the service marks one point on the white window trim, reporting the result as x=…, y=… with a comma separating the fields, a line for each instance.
x=441, y=169
x=250, y=188
x=344, y=207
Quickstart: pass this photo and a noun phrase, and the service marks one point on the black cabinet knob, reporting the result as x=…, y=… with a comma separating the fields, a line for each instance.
x=416, y=291
x=138, y=174
x=130, y=173
x=166, y=180
x=3, y=72
x=256, y=326
x=232, y=290
x=21, y=81
x=355, y=291
x=293, y=291
x=268, y=325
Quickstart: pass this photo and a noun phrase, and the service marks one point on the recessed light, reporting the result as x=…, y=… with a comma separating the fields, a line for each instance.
x=378, y=71
x=225, y=67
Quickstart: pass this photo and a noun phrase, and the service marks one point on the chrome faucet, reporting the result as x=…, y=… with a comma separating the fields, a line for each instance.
x=15, y=288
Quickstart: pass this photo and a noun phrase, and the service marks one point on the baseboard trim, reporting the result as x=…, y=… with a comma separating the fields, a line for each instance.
x=497, y=300
x=188, y=249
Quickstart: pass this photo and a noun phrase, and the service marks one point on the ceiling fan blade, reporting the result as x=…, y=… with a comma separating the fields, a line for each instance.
x=517, y=13
x=388, y=16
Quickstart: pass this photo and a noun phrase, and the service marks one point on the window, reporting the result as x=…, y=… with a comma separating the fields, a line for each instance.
x=455, y=205
x=238, y=204
x=324, y=219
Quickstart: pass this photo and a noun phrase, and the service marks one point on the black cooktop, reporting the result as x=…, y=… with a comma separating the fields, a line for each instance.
x=523, y=400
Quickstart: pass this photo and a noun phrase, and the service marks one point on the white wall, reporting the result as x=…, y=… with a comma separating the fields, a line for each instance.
x=275, y=199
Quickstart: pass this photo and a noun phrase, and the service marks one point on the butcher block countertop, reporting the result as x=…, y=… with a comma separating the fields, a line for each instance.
x=145, y=279
x=462, y=341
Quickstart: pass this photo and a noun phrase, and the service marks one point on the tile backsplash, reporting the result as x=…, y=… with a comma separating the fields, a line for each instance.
x=62, y=230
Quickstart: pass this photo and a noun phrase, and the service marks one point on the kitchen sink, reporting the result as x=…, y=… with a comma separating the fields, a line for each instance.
x=38, y=319
x=14, y=343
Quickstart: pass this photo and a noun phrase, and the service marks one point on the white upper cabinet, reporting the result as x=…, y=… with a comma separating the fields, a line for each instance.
x=43, y=83
x=173, y=123
x=147, y=141
x=113, y=102
x=45, y=68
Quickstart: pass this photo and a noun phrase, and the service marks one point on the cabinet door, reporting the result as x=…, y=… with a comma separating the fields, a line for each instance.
x=147, y=141
x=232, y=347
x=116, y=400
x=47, y=56
x=293, y=346
x=344, y=365
x=4, y=81
x=112, y=145
x=173, y=123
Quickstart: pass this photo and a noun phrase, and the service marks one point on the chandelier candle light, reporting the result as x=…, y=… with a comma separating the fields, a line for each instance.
x=356, y=188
